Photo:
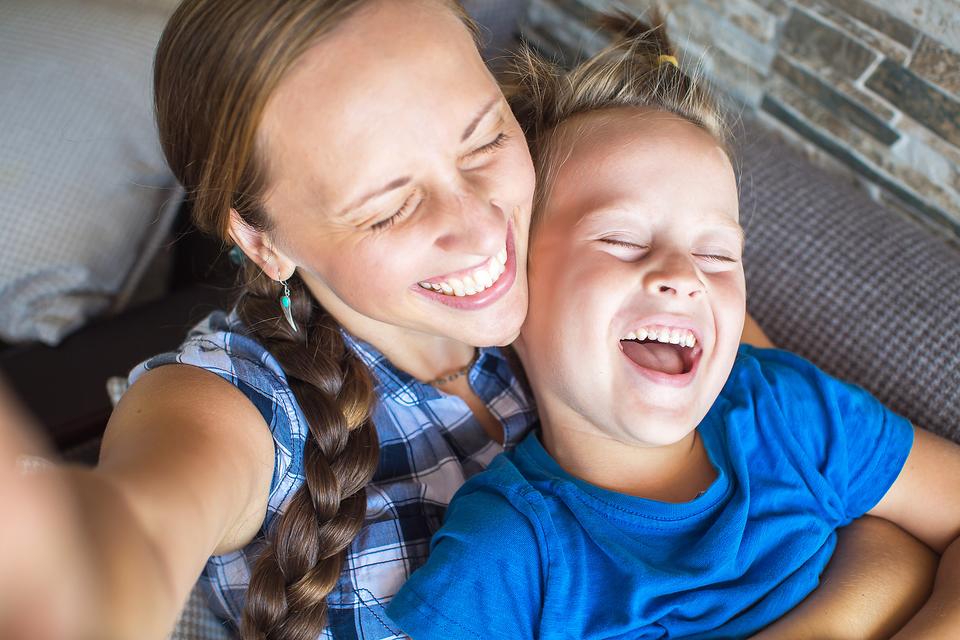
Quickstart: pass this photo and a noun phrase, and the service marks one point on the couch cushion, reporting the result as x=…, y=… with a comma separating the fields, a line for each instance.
x=82, y=177
x=866, y=293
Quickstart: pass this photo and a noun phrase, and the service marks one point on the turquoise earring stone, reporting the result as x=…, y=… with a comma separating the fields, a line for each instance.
x=285, y=306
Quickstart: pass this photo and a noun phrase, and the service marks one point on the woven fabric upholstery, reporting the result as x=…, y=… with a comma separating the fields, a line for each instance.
x=83, y=182
x=870, y=296
x=197, y=622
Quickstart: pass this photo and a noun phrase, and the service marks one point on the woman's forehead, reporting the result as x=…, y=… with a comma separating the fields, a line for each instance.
x=392, y=80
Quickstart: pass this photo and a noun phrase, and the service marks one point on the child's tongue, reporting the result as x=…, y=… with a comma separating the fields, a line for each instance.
x=655, y=355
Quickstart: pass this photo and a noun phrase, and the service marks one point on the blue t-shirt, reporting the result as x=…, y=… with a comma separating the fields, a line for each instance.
x=529, y=551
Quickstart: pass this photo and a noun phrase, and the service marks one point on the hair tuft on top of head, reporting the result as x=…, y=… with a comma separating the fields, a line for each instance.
x=630, y=72
x=624, y=26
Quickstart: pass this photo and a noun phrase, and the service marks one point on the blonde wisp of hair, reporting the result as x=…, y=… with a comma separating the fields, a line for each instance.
x=638, y=69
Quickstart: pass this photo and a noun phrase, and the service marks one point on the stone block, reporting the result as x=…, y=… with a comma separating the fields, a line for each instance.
x=565, y=36
x=922, y=101
x=836, y=102
x=860, y=154
x=779, y=8
x=760, y=24
x=879, y=19
x=821, y=46
x=937, y=63
x=844, y=21
x=737, y=80
x=939, y=19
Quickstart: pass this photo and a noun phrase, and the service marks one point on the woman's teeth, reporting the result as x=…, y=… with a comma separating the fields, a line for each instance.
x=476, y=281
x=682, y=337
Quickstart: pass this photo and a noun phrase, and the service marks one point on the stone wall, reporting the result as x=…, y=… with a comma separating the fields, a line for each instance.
x=871, y=87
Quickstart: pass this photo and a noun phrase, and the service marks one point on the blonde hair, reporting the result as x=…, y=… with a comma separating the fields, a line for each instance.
x=638, y=69
x=217, y=65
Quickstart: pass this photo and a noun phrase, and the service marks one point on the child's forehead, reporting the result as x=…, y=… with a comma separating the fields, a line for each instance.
x=636, y=215
x=620, y=162
x=647, y=134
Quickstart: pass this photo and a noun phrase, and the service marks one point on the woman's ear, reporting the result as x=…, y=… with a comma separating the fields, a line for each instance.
x=258, y=248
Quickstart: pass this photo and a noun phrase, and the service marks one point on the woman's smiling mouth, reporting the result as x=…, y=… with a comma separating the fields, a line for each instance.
x=471, y=281
x=477, y=287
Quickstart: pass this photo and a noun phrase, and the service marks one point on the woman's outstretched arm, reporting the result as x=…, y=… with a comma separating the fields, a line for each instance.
x=184, y=473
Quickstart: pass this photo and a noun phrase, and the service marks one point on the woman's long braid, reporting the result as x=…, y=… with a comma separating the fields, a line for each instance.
x=307, y=544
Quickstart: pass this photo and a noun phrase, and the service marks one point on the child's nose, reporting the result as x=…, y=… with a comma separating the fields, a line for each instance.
x=675, y=276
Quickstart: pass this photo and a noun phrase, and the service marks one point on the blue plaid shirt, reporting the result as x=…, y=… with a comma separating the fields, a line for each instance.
x=430, y=444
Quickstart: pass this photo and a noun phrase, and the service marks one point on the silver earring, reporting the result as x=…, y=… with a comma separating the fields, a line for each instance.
x=285, y=305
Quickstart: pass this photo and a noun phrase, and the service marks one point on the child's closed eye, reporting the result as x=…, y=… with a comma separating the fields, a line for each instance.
x=716, y=257
x=624, y=243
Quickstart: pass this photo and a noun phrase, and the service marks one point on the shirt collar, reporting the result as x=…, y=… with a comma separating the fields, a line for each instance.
x=400, y=386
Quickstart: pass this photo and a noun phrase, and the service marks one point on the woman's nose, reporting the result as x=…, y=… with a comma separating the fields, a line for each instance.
x=468, y=223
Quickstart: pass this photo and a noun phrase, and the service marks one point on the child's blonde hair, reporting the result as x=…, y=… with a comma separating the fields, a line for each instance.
x=639, y=69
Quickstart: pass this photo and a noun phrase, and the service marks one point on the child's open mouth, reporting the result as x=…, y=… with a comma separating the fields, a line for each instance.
x=665, y=350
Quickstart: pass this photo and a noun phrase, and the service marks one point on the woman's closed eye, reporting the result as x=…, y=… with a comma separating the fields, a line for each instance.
x=409, y=206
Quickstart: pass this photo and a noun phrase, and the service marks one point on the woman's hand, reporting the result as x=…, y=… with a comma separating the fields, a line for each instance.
x=878, y=578
x=44, y=571
x=925, y=500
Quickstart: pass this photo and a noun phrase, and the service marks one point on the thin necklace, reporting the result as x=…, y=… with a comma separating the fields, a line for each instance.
x=462, y=371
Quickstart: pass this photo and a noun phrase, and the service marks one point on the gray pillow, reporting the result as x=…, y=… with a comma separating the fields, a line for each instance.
x=867, y=294
x=83, y=182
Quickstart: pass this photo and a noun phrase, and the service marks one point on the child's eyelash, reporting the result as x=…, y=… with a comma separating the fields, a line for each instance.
x=715, y=258
x=392, y=220
x=632, y=245
x=623, y=243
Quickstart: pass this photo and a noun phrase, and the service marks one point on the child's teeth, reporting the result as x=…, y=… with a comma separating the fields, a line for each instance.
x=446, y=288
x=502, y=256
x=666, y=335
x=458, y=288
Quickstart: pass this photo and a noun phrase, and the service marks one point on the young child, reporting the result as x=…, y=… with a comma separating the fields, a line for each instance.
x=680, y=485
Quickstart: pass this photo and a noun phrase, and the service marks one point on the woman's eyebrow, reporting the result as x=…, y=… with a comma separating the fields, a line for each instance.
x=479, y=118
x=359, y=202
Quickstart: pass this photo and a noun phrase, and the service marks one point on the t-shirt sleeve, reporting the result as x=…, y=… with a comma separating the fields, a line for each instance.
x=483, y=578
x=858, y=445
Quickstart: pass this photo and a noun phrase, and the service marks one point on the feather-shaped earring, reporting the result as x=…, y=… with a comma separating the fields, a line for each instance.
x=285, y=305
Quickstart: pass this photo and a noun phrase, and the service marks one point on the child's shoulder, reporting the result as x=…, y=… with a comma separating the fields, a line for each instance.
x=505, y=497
x=773, y=370
x=507, y=481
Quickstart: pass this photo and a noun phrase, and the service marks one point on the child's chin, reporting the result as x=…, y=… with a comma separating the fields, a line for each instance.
x=662, y=432
x=665, y=419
